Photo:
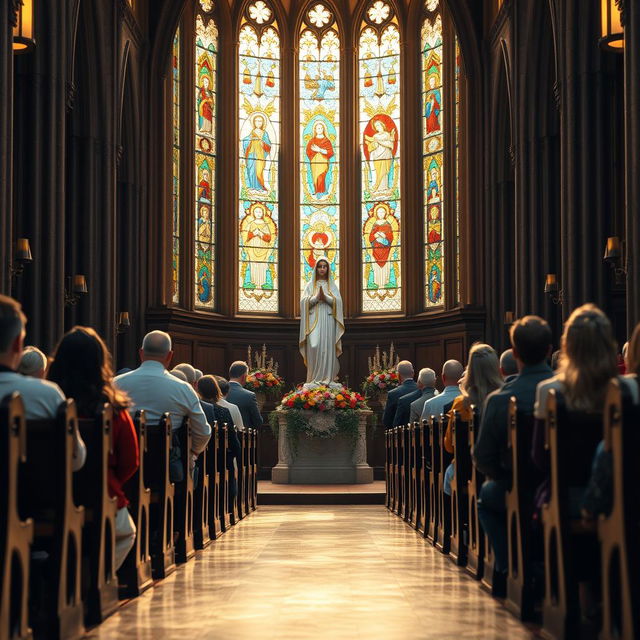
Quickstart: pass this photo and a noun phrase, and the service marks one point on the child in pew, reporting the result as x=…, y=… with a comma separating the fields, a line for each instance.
x=82, y=368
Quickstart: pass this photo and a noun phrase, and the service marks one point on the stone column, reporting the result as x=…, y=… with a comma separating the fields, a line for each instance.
x=8, y=17
x=631, y=20
x=39, y=169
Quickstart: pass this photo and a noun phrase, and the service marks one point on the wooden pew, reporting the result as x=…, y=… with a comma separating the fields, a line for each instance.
x=400, y=497
x=423, y=477
x=223, y=474
x=254, y=468
x=520, y=507
x=476, y=542
x=134, y=576
x=246, y=473
x=571, y=439
x=416, y=464
x=91, y=490
x=406, y=479
x=235, y=475
x=215, y=524
x=156, y=477
x=387, y=468
x=47, y=477
x=16, y=534
x=201, y=502
x=393, y=470
x=183, y=497
x=434, y=492
x=619, y=530
x=459, y=488
x=443, y=542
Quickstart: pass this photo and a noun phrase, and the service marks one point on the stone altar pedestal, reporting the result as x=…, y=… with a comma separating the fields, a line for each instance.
x=323, y=461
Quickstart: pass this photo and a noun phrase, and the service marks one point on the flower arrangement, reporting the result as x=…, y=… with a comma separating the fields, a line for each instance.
x=319, y=411
x=322, y=397
x=263, y=374
x=382, y=373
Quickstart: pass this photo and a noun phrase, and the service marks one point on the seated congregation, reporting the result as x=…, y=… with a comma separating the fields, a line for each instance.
x=110, y=482
x=524, y=474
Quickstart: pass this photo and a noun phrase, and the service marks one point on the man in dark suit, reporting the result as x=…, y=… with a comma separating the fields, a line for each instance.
x=531, y=342
x=407, y=385
x=244, y=399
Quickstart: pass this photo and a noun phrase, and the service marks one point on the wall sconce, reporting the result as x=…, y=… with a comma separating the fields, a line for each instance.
x=613, y=256
x=611, y=25
x=509, y=318
x=21, y=256
x=23, y=39
x=76, y=288
x=552, y=289
x=124, y=324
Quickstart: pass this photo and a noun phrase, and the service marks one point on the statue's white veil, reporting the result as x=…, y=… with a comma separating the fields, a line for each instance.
x=309, y=315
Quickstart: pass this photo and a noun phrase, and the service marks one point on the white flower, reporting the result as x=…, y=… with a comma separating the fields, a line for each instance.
x=432, y=5
x=259, y=12
x=319, y=16
x=207, y=5
x=379, y=12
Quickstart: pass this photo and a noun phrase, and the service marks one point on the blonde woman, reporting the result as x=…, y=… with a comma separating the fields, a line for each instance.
x=588, y=360
x=481, y=377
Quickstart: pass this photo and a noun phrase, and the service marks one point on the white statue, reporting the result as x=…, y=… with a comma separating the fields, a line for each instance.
x=321, y=325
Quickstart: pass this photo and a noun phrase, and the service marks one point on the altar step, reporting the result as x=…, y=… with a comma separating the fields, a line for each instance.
x=312, y=494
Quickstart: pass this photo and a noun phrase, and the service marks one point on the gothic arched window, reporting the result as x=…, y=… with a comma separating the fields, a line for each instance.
x=259, y=130
x=379, y=135
x=206, y=48
x=175, y=164
x=319, y=118
x=319, y=174
x=441, y=76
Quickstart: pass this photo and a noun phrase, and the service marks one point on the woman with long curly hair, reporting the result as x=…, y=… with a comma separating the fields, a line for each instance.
x=82, y=369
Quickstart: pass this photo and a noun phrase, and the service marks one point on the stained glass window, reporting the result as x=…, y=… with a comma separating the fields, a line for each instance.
x=379, y=136
x=433, y=153
x=175, y=161
x=206, y=47
x=319, y=130
x=259, y=127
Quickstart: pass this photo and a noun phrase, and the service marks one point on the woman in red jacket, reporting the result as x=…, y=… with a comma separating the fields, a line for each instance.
x=82, y=368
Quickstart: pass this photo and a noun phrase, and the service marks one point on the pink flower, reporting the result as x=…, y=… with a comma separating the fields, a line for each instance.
x=382, y=385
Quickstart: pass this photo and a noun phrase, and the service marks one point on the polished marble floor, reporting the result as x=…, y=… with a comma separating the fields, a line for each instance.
x=295, y=572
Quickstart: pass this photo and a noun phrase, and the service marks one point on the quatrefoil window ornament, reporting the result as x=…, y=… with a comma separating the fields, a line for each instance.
x=319, y=16
x=259, y=12
x=379, y=12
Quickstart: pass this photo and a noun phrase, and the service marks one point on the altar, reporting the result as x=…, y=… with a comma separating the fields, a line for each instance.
x=313, y=460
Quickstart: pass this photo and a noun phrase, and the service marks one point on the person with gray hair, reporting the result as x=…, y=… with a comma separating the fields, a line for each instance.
x=176, y=373
x=427, y=386
x=403, y=412
x=152, y=388
x=189, y=372
x=452, y=371
x=244, y=399
x=199, y=374
x=508, y=365
x=407, y=385
x=41, y=398
x=33, y=363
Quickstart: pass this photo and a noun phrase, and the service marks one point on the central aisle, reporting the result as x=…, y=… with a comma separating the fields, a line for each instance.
x=316, y=572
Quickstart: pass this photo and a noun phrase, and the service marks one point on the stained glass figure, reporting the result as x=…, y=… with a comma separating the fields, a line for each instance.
x=259, y=139
x=433, y=157
x=319, y=116
x=206, y=56
x=379, y=127
x=175, y=189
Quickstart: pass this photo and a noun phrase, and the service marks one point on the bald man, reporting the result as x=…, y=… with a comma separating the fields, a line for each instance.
x=451, y=372
x=407, y=385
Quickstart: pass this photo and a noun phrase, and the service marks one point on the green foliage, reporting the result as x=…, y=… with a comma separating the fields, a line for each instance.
x=297, y=422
